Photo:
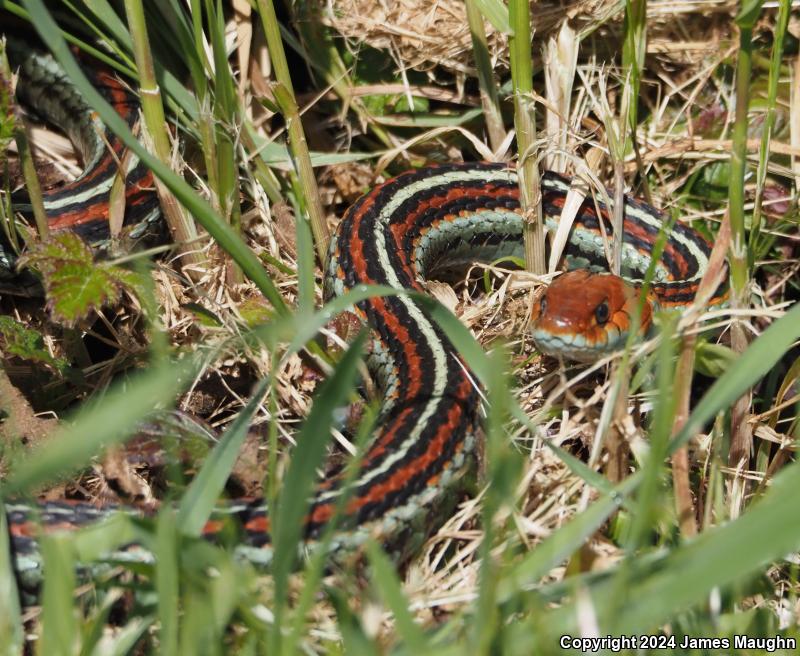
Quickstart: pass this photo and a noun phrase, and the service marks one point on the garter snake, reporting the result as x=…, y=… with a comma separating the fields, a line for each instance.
x=398, y=234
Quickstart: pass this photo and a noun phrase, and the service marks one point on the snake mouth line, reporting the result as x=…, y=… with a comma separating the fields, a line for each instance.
x=573, y=347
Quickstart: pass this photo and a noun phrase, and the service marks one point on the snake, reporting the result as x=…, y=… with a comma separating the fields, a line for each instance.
x=417, y=226
x=83, y=205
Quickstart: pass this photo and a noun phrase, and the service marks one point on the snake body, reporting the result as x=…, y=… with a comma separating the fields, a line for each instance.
x=399, y=234
x=83, y=204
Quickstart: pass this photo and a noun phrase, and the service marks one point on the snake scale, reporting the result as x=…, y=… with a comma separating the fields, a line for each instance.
x=399, y=234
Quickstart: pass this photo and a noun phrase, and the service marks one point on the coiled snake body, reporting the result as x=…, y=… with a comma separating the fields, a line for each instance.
x=398, y=234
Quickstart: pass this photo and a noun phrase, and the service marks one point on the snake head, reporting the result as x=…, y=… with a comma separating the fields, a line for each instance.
x=583, y=316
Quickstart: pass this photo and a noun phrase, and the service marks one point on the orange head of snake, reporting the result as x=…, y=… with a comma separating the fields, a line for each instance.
x=583, y=316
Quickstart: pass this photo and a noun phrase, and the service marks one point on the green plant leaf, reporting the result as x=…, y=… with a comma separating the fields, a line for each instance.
x=254, y=311
x=385, y=581
x=713, y=360
x=748, y=13
x=74, y=284
x=496, y=13
x=204, y=316
x=59, y=620
x=126, y=638
x=27, y=344
x=354, y=637
x=168, y=581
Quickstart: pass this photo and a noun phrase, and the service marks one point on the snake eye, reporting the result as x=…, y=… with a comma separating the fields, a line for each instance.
x=601, y=313
x=543, y=305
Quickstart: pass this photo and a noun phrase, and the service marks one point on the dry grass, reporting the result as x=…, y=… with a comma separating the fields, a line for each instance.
x=411, y=30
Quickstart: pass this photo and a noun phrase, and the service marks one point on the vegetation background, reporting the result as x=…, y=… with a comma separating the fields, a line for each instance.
x=654, y=492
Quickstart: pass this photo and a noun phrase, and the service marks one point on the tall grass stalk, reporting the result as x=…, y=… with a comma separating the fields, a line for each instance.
x=293, y=501
x=226, y=117
x=634, y=48
x=681, y=486
x=198, y=68
x=741, y=436
x=504, y=468
x=167, y=581
x=181, y=225
x=525, y=124
x=634, y=51
x=781, y=25
x=11, y=628
x=284, y=94
x=12, y=126
x=32, y=185
x=315, y=567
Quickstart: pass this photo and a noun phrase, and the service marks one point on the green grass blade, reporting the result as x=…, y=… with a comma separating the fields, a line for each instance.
x=118, y=38
x=651, y=490
x=316, y=566
x=354, y=637
x=125, y=640
x=305, y=267
x=564, y=542
x=575, y=465
x=634, y=48
x=496, y=13
x=782, y=23
x=11, y=630
x=459, y=334
x=59, y=620
x=456, y=331
x=93, y=630
x=95, y=541
x=285, y=96
x=738, y=257
x=277, y=154
x=167, y=582
x=504, y=467
x=309, y=327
